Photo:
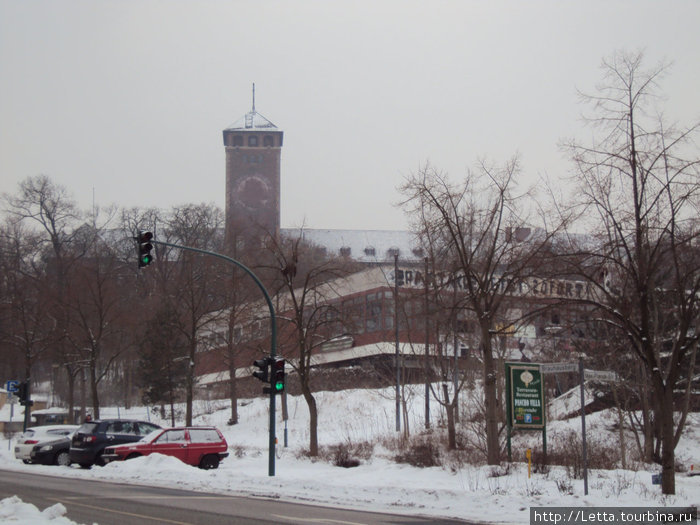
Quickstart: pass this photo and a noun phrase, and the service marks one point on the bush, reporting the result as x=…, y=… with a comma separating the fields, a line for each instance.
x=566, y=449
x=420, y=453
x=347, y=454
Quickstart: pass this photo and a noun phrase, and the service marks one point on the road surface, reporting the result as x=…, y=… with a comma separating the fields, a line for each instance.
x=92, y=501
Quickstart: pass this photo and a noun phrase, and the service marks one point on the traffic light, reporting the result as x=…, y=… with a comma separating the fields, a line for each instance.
x=144, y=247
x=23, y=393
x=263, y=366
x=277, y=376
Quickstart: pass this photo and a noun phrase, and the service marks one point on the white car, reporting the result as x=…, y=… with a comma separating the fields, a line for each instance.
x=37, y=435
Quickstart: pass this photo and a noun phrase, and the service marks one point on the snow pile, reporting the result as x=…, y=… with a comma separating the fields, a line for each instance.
x=364, y=420
x=14, y=510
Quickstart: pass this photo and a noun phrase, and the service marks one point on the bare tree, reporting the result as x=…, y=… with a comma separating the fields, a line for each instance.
x=46, y=206
x=99, y=306
x=193, y=284
x=638, y=183
x=306, y=313
x=26, y=327
x=470, y=227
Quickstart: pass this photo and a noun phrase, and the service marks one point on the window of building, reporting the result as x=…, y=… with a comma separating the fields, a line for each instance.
x=345, y=251
x=370, y=251
x=238, y=140
x=253, y=141
x=374, y=312
x=268, y=140
x=353, y=312
x=418, y=252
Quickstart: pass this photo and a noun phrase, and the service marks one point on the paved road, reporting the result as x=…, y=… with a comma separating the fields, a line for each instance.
x=90, y=501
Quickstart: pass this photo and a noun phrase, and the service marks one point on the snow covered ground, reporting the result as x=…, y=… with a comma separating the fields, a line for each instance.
x=455, y=490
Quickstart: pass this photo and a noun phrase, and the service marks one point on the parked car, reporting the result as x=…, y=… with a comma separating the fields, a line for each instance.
x=36, y=437
x=89, y=441
x=202, y=447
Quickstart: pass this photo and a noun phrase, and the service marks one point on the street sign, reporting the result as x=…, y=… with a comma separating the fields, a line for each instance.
x=600, y=375
x=558, y=368
x=12, y=386
x=526, y=396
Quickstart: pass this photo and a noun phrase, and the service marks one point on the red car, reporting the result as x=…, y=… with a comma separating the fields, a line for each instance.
x=202, y=447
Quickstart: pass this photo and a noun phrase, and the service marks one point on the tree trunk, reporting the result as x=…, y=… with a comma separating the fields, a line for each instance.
x=450, y=410
x=71, y=394
x=493, y=452
x=668, y=455
x=188, y=402
x=190, y=379
x=233, y=393
x=621, y=428
x=313, y=420
x=93, y=392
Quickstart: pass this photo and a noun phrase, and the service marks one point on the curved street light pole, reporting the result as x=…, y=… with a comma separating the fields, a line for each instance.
x=273, y=335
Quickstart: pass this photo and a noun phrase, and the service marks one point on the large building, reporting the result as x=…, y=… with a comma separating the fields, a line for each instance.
x=373, y=319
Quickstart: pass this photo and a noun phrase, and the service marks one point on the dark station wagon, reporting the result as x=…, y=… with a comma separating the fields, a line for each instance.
x=91, y=439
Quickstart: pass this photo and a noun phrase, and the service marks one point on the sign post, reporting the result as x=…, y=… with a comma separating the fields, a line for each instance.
x=584, y=374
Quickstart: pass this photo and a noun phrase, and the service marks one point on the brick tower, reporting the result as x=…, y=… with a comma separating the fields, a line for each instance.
x=253, y=150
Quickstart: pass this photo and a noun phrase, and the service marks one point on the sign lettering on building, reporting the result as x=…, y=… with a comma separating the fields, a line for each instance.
x=527, y=287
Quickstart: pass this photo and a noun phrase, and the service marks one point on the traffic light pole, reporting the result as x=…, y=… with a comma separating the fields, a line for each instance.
x=273, y=336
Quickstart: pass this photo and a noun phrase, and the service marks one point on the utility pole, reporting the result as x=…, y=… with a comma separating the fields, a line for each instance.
x=396, y=337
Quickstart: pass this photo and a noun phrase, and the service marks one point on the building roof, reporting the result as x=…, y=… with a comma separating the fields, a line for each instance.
x=252, y=121
x=366, y=246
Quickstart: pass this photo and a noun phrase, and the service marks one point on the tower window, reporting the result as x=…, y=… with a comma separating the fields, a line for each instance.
x=253, y=140
x=370, y=251
x=268, y=140
x=345, y=251
x=237, y=140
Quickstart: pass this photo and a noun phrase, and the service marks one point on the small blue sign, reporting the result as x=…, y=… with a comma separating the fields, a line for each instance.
x=12, y=386
x=528, y=418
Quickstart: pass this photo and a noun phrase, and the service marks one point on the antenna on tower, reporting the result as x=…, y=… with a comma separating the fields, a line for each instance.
x=253, y=97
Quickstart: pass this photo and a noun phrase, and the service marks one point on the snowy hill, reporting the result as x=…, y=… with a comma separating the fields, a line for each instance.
x=361, y=422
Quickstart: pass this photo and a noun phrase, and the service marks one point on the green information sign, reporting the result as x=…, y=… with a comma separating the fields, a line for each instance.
x=525, y=396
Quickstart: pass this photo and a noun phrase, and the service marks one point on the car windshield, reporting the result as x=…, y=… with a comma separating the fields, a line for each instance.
x=87, y=428
x=151, y=436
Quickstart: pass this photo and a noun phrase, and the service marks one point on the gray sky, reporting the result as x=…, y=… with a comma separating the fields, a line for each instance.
x=129, y=98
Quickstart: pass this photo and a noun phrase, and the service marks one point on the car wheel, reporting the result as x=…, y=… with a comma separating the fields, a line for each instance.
x=99, y=461
x=62, y=459
x=85, y=465
x=209, y=462
x=26, y=461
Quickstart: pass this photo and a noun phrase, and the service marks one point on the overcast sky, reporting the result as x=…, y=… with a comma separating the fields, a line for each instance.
x=127, y=100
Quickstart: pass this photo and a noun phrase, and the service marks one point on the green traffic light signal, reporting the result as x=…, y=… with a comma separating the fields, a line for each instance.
x=277, y=377
x=144, y=247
